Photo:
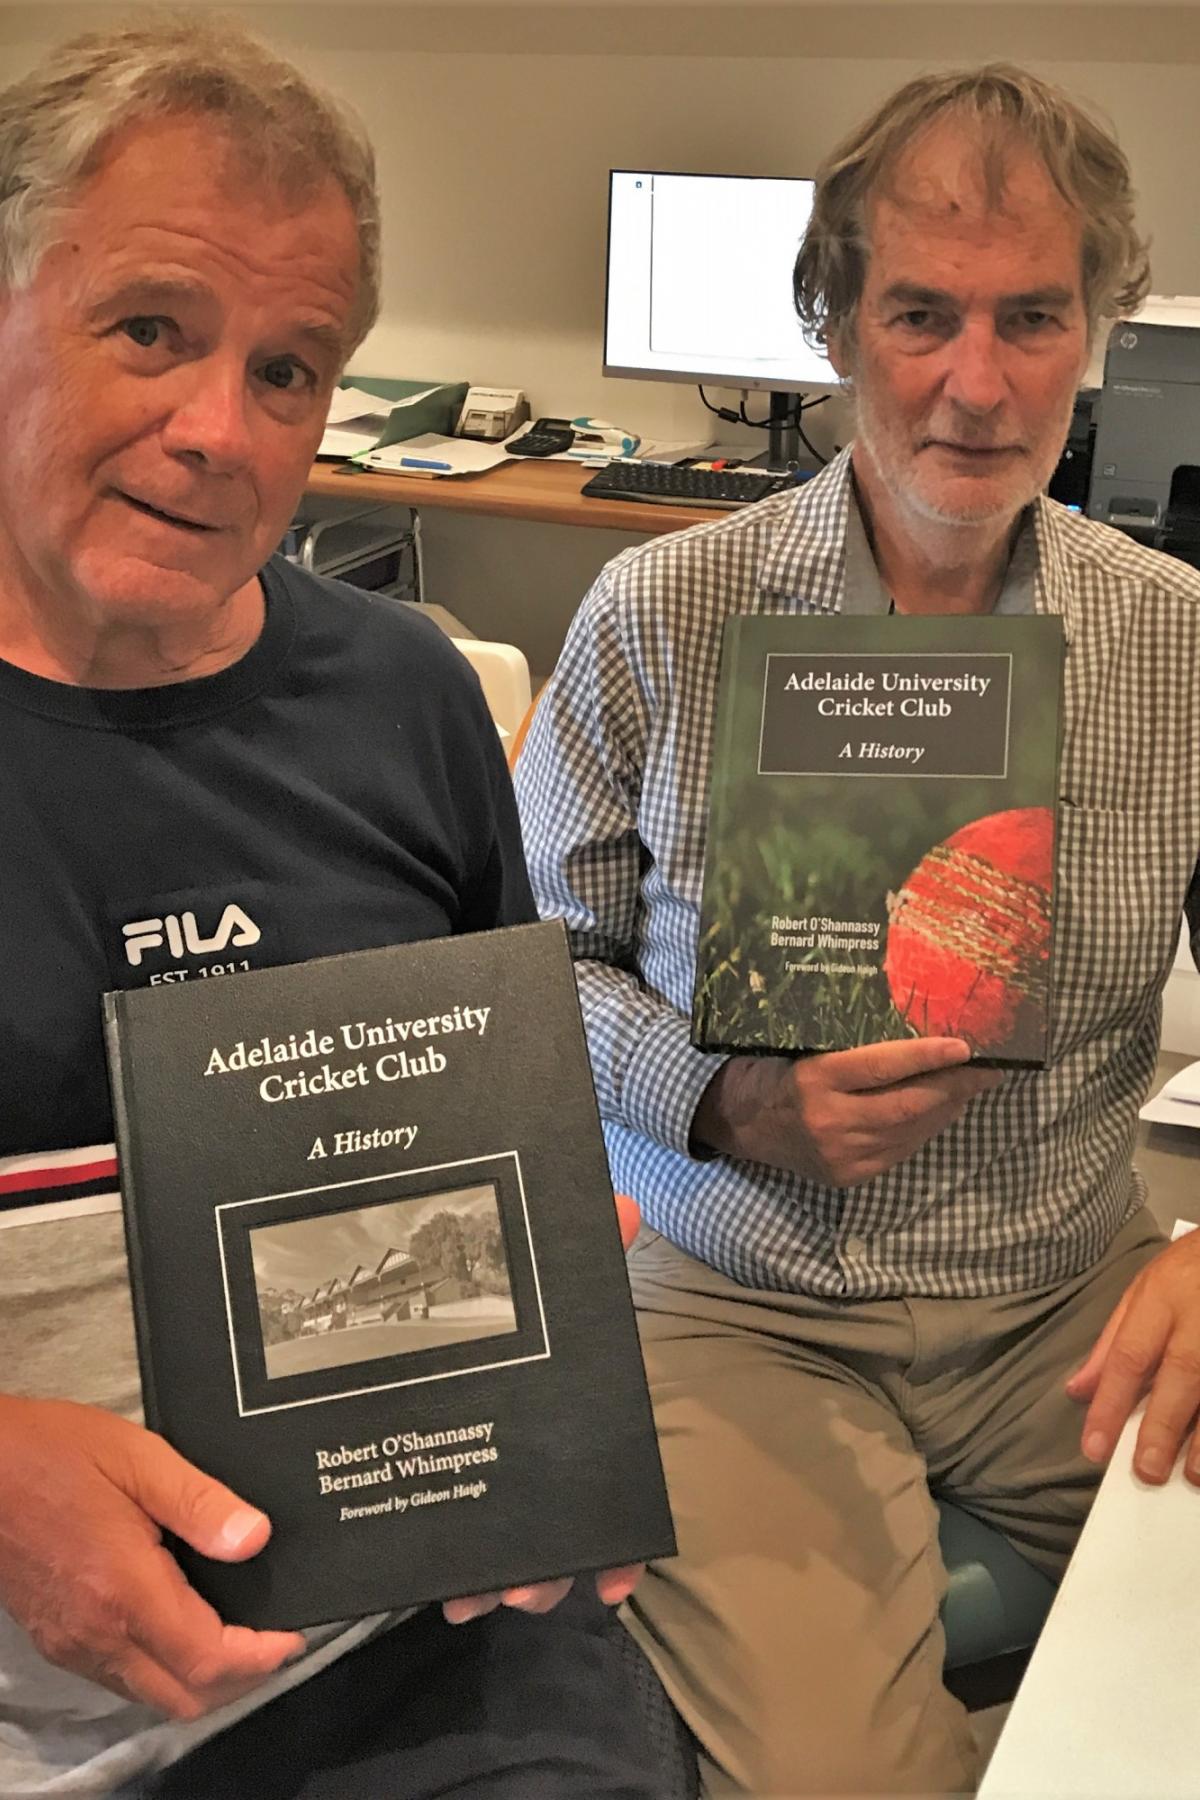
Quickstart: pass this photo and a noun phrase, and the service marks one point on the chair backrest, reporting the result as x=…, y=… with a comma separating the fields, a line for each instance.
x=504, y=677
x=522, y=732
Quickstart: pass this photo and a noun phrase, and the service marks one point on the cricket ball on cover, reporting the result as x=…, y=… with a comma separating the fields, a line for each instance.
x=968, y=942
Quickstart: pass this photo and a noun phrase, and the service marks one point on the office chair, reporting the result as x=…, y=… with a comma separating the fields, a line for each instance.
x=504, y=677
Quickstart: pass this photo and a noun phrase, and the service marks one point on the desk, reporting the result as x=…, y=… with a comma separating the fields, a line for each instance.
x=544, y=492
x=1107, y=1707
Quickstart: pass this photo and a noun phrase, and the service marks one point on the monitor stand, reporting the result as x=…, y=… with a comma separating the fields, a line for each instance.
x=783, y=440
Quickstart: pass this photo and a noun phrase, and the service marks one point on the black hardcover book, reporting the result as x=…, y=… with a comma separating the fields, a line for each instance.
x=377, y=1275
x=881, y=835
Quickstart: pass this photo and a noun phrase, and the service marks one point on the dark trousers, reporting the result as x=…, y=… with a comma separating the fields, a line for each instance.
x=508, y=1707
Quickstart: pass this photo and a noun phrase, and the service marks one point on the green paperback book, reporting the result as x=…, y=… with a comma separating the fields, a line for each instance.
x=881, y=835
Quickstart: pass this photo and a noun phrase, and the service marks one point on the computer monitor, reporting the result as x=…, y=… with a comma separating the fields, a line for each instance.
x=699, y=284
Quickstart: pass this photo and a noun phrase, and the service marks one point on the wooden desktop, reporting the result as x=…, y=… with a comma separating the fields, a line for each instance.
x=541, y=491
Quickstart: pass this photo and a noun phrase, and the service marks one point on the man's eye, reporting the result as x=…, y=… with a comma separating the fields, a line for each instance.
x=288, y=376
x=922, y=320
x=143, y=330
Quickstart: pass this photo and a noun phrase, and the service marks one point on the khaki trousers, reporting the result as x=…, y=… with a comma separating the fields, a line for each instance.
x=797, y=1631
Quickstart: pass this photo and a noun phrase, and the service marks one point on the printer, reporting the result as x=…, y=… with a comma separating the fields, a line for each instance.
x=1146, y=460
x=1072, y=478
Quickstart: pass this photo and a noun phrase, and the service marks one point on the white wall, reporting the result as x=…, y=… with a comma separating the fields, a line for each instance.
x=1181, y=1005
x=496, y=126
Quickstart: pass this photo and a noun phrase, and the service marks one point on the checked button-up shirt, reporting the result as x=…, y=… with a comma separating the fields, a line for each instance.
x=1031, y=1183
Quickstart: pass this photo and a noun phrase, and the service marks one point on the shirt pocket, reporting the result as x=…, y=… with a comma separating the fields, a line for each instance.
x=1121, y=882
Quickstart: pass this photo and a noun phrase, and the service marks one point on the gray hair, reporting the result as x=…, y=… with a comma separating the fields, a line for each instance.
x=56, y=122
x=1006, y=106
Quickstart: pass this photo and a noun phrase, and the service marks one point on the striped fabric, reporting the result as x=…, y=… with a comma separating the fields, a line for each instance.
x=1032, y=1182
x=58, y=1184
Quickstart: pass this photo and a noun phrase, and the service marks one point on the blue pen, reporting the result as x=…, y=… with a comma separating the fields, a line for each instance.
x=423, y=462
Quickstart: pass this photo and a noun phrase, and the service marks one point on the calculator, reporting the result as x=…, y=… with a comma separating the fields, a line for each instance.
x=545, y=437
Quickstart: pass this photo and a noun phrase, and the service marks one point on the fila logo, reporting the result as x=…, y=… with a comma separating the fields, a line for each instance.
x=182, y=937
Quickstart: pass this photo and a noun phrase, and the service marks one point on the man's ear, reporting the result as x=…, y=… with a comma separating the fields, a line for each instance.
x=837, y=348
x=1097, y=341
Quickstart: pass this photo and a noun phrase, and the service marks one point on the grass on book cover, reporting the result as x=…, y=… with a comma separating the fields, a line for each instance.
x=963, y=944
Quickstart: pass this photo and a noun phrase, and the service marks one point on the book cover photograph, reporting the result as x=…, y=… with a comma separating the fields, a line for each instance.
x=378, y=1281
x=881, y=835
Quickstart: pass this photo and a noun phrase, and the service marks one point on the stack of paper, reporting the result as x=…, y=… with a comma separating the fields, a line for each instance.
x=355, y=422
x=431, y=454
x=358, y=421
x=1178, y=1101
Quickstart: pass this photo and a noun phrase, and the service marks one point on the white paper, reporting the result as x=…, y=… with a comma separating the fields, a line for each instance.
x=1164, y=1111
x=673, y=450
x=353, y=423
x=1178, y=1101
x=439, y=455
x=348, y=440
x=411, y=399
x=353, y=403
x=356, y=419
x=1185, y=1084
x=648, y=450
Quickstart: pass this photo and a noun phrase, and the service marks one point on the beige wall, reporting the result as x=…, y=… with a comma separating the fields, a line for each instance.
x=496, y=126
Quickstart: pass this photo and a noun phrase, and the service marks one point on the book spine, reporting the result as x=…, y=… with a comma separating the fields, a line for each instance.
x=723, y=750
x=1060, y=658
x=123, y=1131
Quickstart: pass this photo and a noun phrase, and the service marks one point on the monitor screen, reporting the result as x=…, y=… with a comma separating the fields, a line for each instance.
x=700, y=281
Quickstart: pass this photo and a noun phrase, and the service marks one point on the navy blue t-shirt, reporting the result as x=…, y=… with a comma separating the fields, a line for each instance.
x=340, y=786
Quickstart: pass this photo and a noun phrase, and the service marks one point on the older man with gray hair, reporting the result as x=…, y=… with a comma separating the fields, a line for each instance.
x=882, y=1273
x=190, y=252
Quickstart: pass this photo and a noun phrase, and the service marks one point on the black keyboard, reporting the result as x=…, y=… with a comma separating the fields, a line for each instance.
x=672, y=484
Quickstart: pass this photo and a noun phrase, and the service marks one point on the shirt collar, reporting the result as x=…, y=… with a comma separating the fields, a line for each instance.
x=1054, y=590
x=865, y=595
x=819, y=554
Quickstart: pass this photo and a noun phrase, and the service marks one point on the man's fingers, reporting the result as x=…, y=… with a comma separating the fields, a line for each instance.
x=628, y=1218
x=612, y=1585
x=538, y=1596
x=1191, y=1467
x=892, y=1124
x=1131, y=1360
x=926, y=1099
x=153, y=1639
x=139, y=1678
x=469, y=1606
x=1170, y=1412
x=616, y=1585
x=185, y=1637
x=882, y=1065
x=1083, y=1383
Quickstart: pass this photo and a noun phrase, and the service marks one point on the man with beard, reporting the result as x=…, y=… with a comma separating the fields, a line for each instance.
x=872, y=1276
